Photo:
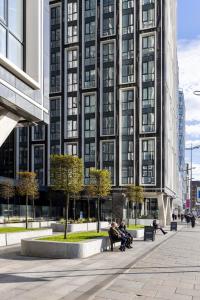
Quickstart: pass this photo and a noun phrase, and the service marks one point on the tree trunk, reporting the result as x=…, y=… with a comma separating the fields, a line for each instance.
x=8, y=209
x=135, y=210
x=26, y=211
x=88, y=208
x=98, y=214
x=128, y=214
x=33, y=208
x=74, y=209
x=66, y=214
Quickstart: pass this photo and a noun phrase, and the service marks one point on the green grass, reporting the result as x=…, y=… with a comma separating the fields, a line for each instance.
x=16, y=229
x=133, y=227
x=76, y=237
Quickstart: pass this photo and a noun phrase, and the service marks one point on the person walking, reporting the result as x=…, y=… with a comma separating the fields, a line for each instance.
x=193, y=221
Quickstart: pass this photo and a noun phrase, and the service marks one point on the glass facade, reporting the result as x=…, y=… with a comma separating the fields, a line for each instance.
x=148, y=161
x=55, y=50
x=108, y=17
x=127, y=136
x=71, y=97
x=39, y=162
x=108, y=89
x=148, y=13
x=89, y=44
x=11, y=31
x=148, y=80
x=108, y=158
x=55, y=125
x=89, y=139
x=127, y=41
x=23, y=148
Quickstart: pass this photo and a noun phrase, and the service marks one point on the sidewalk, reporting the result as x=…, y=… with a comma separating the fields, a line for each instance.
x=28, y=278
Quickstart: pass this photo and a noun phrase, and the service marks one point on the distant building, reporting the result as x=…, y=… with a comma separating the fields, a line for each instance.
x=195, y=194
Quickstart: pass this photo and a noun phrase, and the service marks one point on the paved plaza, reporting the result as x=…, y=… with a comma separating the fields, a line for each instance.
x=168, y=268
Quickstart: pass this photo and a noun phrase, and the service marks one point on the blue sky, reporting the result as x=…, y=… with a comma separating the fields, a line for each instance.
x=188, y=19
x=189, y=66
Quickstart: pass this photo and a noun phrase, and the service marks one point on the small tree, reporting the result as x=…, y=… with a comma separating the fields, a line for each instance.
x=101, y=185
x=66, y=176
x=7, y=191
x=135, y=194
x=90, y=192
x=27, y=186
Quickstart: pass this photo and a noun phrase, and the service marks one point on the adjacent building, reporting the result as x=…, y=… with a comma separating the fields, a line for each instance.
x=113, y=98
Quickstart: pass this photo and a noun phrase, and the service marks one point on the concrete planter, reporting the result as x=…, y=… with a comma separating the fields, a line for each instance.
x=64, y=250
x=36, y=224
x=145, y=222
x=137, y=233
x=7, y=239
x=79, y=227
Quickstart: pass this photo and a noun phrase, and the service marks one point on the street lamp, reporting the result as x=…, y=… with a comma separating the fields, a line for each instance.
x=191, y=149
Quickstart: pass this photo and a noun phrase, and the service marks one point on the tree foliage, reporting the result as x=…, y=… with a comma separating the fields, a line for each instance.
x=27, y=186
x=7, y=191
x=66, y=176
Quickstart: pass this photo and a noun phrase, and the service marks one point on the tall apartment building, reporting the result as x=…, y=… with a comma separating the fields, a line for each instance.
x=113, y=94
x=24, y=75
x=181, y=148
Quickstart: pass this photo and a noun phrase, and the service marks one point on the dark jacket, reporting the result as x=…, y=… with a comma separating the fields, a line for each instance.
x=114, y=233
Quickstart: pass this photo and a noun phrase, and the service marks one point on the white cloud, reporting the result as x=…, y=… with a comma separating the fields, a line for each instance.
x=193, y=131
x=189, y=75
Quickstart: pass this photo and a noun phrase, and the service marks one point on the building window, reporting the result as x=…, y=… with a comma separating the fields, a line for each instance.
x=38, y=162
x=148, y=161
x=127, y=4
x=72, y=11
x=148, y=44
x=90, y=54
x=108, y=76
x=108, y=17
x=72, y=82
x=108, y=125
x=108, y=158
x=90, y=8
x=127, y=100
x=148, y=97
x=72, y=106
x=90, y=31
x=72, y=130
x=89, y=152
x=55, y=38
x=72, y=34
x=90, y=104
x=90, y=126
x=90, y=76
x=108, y=102
x=72, y=58
x=54, y=108
x=148, y=122
x=148, y=71
x=127, y=73
x=127, y=23
x=71, y=149
x=128, y=49
x=38, y=132
x=55, y=15
x=55, y=131
x=148, y=13
x=11, y=31
x=108, y=52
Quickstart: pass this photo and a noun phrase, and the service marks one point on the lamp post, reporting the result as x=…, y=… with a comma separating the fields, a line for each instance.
x=191, y=149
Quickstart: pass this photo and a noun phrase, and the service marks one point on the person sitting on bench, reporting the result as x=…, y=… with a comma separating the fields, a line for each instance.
x=122, y=228
x=117, y=236
x=157, y=226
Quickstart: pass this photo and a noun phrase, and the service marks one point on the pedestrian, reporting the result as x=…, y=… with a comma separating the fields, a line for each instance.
x=182, y=217
x=173, y=216
x=156, y=226
x=187, y=218
x=193, y=221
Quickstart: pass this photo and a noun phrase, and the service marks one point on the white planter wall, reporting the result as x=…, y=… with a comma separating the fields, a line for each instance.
x=64, y=250
x=139, y=233
x=79, y=227
x=7, y=239
x=145, y=222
